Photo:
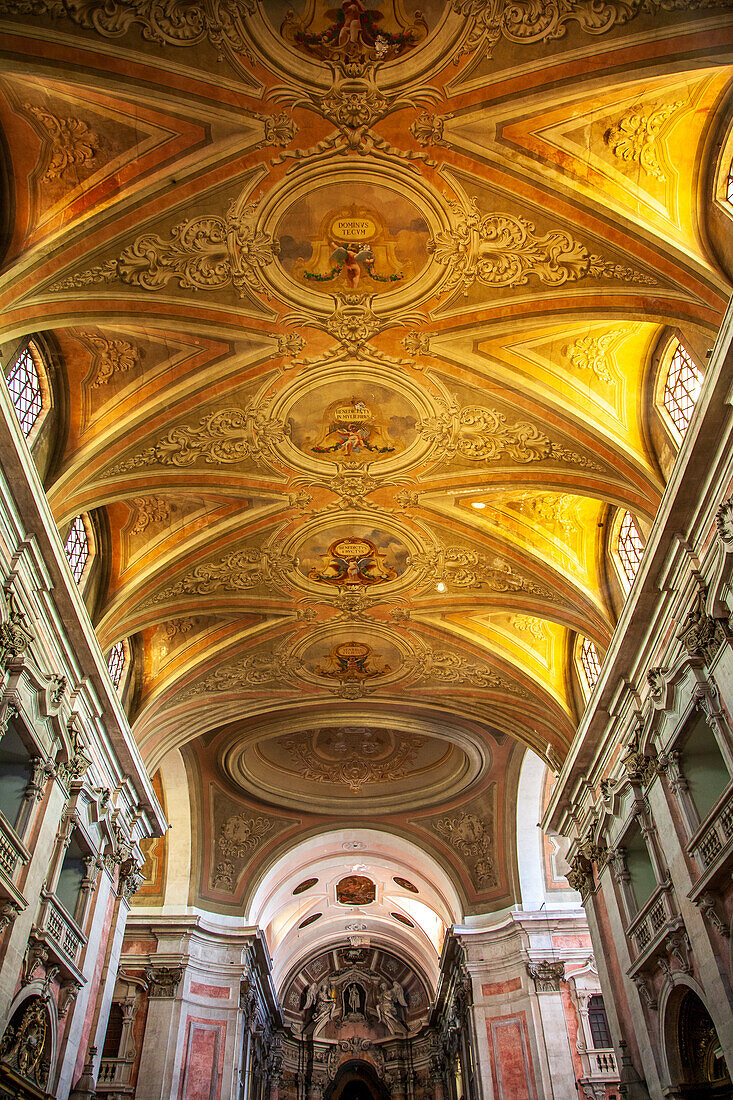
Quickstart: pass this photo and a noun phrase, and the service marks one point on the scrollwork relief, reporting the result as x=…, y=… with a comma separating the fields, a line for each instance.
x=203, y=253
x=634, y=137
x=485, y=435
x=238, y=571
x=112, y=356
x=471, y=569
x=471, y=835
x=501, y=250
x=70, y=142
x=149, y=510
x=252, y=670
x=451, y=668
x=220, y=438
x=591, y=353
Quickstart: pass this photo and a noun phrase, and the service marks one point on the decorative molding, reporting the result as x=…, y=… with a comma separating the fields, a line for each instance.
x=111, y=356
x=291, y=345
x=279, y=130
x=203, y=253
x=529, y=624
x=590, y=353
x=470, y=569
x=238, y=571
x=247, y=672
x=634, y=137
x=416, y=343
x=451, y=668
x=163, y=981
x=471, y=835
x=353, y=483
x=220, y=438
x=480, y=434
x=701, y=635
x=69, y=141
x=708, y=906
x=428, y=129
x=241, y=834
x=353, y=323
x=358, y=768
x=501, y=250
x=530, y=22
x=15, y=637
x=149, y=510
x=546, y=975
x=724, y=521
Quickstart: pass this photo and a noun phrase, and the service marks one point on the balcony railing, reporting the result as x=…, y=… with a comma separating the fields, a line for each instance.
x=712, y=844
x=602, y=1063
x=651, y=924
x=114, y=1071
x=12, y=852
x=61, y=930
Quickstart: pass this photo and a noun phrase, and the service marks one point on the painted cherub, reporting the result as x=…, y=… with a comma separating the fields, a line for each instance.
x=354, y=258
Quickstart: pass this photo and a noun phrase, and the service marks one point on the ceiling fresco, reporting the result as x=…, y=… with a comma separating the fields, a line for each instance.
x=354, y=310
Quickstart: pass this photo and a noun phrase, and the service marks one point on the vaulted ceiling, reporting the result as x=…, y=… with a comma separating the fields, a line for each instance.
x=355, y=312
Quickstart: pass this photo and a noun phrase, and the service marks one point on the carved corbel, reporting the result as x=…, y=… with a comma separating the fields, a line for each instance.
x=701, y=635
x=36, y=955
x=8, y=912
x=724, y=521
x=646, y=992
x=707, y=904
x=639, y=767
x=655, y=679
x=15, y=637
x=67, y=995
x=8, y=711
x=677, y=946
x=37, y=783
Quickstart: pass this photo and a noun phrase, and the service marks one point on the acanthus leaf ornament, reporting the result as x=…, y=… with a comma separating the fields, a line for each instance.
x=111, y=356
x=249, y=671
x=219, y=438
x=207, y=252
x=451, y=668
x=149, y=510
x=502, y=250
x=530, y=22
x=470, y=569
x=353, y=323
x=71, y=142
x=591, y=353
x=481, y=434
x=358, y=768
x=471, y=835
x=634, y=137
x=237, y=571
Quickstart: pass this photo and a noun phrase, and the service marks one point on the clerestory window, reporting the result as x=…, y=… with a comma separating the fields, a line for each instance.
x=629, y=547
x=590, y=661
x=116, y=663
x=26, y=393
x=681, y=389
x=77, y=548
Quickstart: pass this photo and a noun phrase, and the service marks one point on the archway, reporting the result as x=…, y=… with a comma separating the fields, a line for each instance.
x=356, y=1080
x=697, y=1066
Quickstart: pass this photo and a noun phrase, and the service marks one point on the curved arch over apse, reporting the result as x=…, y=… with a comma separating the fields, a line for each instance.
x=331, y=854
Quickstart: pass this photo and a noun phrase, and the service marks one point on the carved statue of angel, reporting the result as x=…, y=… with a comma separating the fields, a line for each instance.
x=320, y=999
x=353, y=258
x=388, y=1012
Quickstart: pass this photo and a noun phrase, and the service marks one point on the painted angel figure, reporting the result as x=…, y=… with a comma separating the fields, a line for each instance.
x=353, y=258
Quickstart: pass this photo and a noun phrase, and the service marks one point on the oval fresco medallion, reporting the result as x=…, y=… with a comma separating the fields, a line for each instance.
x=370, y=245
x=357, y=31
x=349, y=556
x=363, y=423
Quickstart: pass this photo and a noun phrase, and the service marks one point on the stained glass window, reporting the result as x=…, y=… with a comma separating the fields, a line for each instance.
x=116, y=662
x=25, y=390
x=682, y=389
x=590, y=661
x=77, y=548
x=630, y=547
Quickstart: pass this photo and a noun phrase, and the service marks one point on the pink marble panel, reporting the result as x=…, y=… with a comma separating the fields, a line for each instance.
x=204, y=1051
x=511, y=1064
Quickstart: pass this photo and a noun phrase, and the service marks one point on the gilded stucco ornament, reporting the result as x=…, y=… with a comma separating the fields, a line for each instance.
x=237, y=571
x=531, y=22
x=250, y=671
x=502, y=250
x=148, y=510
x=111, y=356
x=203, y=253
x=462, y=568
x=452, y=668
x=219, y=438
x=70, y=142
x=591, y=353
x=634, y=137
x=485, y=435
x=353, y=323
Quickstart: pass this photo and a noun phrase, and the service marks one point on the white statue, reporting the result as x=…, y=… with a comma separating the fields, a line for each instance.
x=388, y=999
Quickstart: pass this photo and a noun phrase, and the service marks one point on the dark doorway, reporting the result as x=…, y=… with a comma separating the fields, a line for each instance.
x=701, y=1070
x=356, y=1080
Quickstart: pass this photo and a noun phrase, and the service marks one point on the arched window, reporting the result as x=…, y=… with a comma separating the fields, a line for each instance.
x=629, y=547
x=26, y=393
x=116, y=663
x=681, y=388
x=598, y=1021
x=590, y=662
x=77, y=548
